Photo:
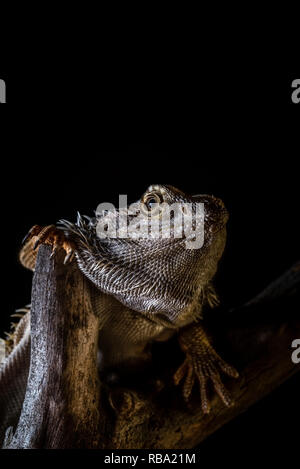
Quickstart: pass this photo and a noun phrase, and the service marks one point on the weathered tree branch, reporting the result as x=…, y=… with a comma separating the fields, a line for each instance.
x=67, y=406
x=61, y=406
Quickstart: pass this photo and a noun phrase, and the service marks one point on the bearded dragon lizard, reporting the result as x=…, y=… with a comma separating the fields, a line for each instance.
x=149, y=289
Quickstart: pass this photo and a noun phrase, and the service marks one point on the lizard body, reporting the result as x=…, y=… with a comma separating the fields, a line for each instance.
x=148, y=289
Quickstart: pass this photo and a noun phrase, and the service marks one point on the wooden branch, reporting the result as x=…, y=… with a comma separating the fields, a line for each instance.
x=61, y=407
x=66, y=406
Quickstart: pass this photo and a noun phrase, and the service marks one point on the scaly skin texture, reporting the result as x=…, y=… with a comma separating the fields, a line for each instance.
x=148, y=289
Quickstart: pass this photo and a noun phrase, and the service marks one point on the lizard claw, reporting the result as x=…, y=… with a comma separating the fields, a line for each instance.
x=52, y=236
x=204, y=366
x=70, y=255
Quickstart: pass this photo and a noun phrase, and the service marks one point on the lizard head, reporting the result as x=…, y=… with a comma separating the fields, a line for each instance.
x=156, y=256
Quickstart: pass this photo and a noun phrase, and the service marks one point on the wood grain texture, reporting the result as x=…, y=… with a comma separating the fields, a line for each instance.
x=61, y=407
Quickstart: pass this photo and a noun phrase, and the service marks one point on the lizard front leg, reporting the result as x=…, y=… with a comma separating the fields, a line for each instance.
x=202, y=363
x=50, y=235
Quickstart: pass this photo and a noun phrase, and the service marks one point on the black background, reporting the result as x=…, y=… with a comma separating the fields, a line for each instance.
x=230, y=130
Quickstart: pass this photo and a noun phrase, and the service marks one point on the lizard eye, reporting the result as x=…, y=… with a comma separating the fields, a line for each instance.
x=151, y=200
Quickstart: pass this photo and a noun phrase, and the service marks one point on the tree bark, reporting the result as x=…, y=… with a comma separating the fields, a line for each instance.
x=66, y=406
x=61, y=406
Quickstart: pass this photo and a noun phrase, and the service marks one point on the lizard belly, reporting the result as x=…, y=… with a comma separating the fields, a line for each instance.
x=125, y=335
x=126, y=343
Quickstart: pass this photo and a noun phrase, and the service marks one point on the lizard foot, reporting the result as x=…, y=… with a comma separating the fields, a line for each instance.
x=204, y=364
x=52, y=236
